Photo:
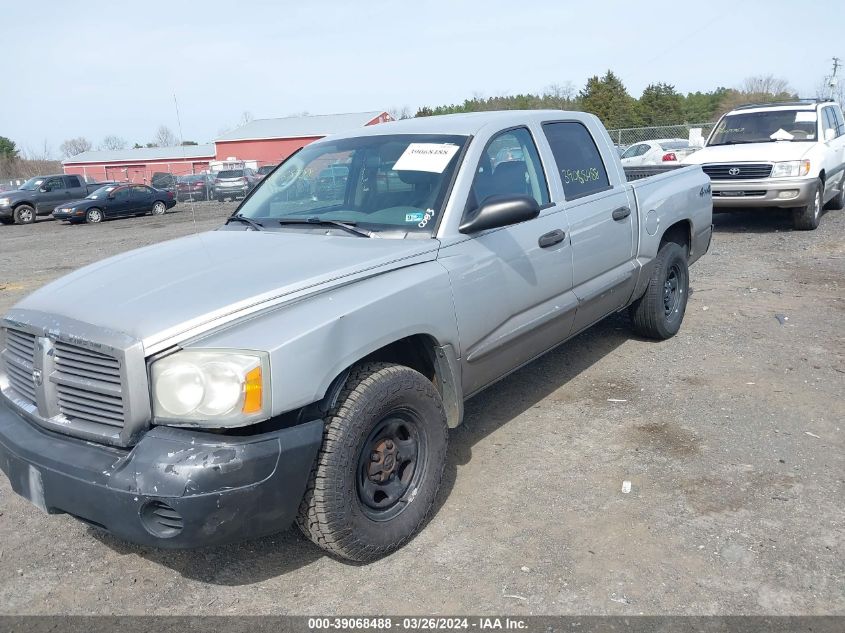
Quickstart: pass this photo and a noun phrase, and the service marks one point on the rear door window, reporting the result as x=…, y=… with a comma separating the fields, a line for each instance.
x=578, y=160
x=73, y=181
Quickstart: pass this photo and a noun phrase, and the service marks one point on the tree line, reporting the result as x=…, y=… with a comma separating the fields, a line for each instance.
x=606, y=97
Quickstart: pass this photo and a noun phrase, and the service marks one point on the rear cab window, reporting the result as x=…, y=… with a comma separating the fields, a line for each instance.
x=73, y=181
x=579, y=162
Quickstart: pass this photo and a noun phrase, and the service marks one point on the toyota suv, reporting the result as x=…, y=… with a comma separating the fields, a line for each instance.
x=788, y=155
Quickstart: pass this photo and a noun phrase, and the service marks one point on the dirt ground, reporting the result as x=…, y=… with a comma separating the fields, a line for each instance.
x=730, y=434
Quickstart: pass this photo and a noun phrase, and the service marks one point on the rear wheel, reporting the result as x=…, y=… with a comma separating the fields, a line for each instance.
x=94, y=216
x=24, y=214
x=159, y=208
x=379, y=468
x=659, y=312
x=807, y=218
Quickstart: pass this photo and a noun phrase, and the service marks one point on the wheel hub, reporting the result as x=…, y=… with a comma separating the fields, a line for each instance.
x=383, y=461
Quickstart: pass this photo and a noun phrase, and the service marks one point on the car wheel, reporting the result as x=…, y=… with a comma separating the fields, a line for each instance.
x=159, y=208
x=94, y=216
x=807, y=218
x=378, y=471
x=659, y=312
x=24, y=214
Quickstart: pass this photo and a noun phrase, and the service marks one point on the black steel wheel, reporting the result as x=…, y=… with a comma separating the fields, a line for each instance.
x=659, y=312
x=378, y=471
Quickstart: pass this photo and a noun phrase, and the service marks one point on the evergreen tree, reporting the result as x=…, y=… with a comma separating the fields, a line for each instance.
x=607, y=98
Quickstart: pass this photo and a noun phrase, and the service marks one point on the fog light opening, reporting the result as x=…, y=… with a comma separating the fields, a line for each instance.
x=160, y=520
x=789, y=193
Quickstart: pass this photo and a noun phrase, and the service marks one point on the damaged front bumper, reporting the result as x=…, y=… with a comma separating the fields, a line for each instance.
x=176, y=488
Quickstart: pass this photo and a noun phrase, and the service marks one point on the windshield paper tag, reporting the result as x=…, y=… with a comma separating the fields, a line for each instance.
x=432, y=157
x=414, y=217
x=805, y=117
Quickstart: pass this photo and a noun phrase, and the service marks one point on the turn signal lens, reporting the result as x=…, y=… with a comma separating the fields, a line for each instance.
x=252, y=391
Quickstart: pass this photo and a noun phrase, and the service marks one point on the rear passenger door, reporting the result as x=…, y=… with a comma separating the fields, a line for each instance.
x=831, y=119
x=600, y=216
x=140, y=200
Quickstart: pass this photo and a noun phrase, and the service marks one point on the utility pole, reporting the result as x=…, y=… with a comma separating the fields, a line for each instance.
x=832, y=81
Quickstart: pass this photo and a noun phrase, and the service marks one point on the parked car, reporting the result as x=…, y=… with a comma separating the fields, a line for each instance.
x=657, y=152
x=223, y=385
x=40, y=195
x=195, y=187
x=114, y=201
x=263, y=171
x=331, y=182
x=787, y=155
x=164, y=181
x=233, y=183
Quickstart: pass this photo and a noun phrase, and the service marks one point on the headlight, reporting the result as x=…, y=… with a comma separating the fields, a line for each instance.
x=211, y=388
x=791, y=168
x=4, y=202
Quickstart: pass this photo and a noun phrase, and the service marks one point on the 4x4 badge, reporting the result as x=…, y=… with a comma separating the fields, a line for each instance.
x=36, y=377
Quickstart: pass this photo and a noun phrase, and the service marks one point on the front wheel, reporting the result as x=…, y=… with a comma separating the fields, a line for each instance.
x=159, y=208
x=24, y=214
x=659, y=312
x=378, y=471
x=806, y=218
x=94, y=216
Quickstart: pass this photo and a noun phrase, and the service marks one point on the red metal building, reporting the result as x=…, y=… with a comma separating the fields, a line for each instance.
x=268, y=141
x=139, y=165
x=259, y=142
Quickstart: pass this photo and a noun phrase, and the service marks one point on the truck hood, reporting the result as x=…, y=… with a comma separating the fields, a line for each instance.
x=750, y=153
x=158, y=292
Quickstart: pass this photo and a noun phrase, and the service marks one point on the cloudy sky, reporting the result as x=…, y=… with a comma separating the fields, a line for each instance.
x=98, y=68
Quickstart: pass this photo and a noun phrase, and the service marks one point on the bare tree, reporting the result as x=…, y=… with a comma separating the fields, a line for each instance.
x=246, y=117
x=113, y=142
x=74, y=146
x=766, y=85
x=400, y=113
x=164, y=137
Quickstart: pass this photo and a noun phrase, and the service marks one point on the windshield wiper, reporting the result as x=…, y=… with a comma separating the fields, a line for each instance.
x=349, y=227
x=242, y=218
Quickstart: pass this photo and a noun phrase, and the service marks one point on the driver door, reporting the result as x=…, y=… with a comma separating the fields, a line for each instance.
x=512, y=286
x=56, y=193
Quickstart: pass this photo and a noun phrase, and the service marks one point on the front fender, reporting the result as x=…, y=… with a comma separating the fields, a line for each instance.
x=315, y=339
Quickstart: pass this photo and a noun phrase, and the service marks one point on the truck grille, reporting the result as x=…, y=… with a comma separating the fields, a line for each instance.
x=88, y=385
x=738, y=171
x=21, y=346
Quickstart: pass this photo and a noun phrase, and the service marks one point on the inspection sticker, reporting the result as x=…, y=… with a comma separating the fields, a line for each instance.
x=805, y=116
x=431, y=157
x=414, y=217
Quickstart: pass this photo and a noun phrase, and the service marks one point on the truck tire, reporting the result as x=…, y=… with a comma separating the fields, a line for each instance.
x=659, y=312
x=807, y=218
x=378, y=471
x=24, y=214
x=93, y=216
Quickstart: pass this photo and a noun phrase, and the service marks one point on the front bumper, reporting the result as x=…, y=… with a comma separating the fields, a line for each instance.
x=6, y=212
x=68, y=215
x=176, y=488
x=231, y=191
x=763, y=193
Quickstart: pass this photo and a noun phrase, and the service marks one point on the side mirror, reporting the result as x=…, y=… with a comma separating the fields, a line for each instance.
x=829, y=134
x=501, y=210
x=110, y=196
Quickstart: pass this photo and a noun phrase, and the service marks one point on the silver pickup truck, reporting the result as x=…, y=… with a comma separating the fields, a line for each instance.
x=224, y=385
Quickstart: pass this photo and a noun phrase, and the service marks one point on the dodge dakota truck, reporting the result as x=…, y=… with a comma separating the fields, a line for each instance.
x=305, y=362
x=778, y=155
x=40, y=195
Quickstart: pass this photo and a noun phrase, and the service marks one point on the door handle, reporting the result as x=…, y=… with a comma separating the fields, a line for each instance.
x=621, y=213
x=551, y=238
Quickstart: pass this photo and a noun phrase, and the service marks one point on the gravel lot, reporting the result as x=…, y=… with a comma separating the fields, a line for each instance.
x=731, y=434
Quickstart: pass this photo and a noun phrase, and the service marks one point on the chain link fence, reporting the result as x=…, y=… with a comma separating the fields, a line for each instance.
x=628, y=136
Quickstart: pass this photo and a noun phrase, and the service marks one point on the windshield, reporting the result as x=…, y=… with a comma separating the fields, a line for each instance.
x=393, y=182
x=102, y=192
x=231, y=173
x=765, y=127
x=674, y=145
x=32, y=184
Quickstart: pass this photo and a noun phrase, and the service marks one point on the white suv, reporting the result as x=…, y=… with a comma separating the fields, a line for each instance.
x=788, y=155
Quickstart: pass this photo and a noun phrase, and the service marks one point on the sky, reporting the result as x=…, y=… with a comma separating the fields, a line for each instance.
x=96, y=68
